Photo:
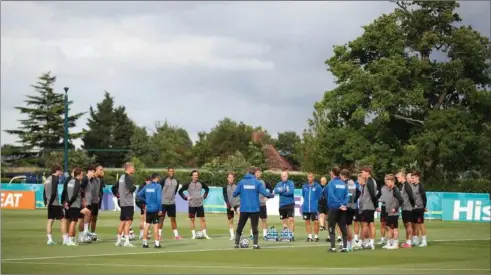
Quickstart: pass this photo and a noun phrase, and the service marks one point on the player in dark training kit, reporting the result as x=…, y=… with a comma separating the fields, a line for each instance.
x=126, y=188
x=141, y=204
x=353, y=195
x=170, y=186
x=249, y=189
x=195, y=201
x=51, y=200
x=97, y=190
x=323, y=206
x=73, y=204
x=231, y=202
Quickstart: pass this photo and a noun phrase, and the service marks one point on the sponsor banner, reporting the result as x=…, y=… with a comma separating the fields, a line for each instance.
x=466, y=207
x=440, y=205
x=18, y=199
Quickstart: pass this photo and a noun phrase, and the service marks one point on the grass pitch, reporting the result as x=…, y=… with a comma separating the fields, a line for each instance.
x=453, y=248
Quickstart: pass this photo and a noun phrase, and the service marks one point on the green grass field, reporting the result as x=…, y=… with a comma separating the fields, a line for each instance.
x=453, y=248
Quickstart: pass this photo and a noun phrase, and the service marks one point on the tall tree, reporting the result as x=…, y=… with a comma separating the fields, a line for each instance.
x=228, y=137
x=396, y=103
x=171, y=146
x=99, y=134
x=109, y=133
x=140, y=146
x=287, y=144
x=43, y=128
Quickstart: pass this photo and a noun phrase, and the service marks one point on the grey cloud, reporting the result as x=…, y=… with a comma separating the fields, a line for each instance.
x=191, y=63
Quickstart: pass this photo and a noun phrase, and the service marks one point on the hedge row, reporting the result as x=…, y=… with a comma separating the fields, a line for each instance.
x=214, y=178
x=211, y=178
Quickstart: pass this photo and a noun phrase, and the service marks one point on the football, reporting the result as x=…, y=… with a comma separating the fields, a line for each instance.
x=244, y=243
x=199, y=235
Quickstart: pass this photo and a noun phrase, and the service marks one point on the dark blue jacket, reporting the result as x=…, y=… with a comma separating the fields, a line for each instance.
x=286, y=191
x=151, y=194
x=337, y=193
x=311, y=194
x=249, y=189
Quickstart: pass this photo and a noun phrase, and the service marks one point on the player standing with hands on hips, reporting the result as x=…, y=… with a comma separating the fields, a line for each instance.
x=249, y=189
x=337, y=200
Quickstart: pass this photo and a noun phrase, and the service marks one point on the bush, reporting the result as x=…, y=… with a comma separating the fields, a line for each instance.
x=212, y=178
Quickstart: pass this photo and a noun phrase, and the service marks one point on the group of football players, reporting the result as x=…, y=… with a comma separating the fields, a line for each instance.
x=347, y=205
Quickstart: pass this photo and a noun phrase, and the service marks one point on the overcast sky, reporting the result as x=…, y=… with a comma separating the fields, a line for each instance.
x=192, y=63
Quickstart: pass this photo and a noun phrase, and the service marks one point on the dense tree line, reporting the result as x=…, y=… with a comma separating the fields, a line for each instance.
x=413, y=91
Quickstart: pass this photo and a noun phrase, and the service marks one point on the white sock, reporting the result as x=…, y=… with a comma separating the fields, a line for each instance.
x=265, y=232
x=50, y=238
x=126, y=239
x=144, y=241
x=382, y=239
x=193, y=232
x=310, y=236
x=315, y=236
x=348, y=245
x=65, y=238
x=176, y=233
x=424, y=238
x=372, y=241
x=408, y=241
x=395, y=242
x=356, y=237
x=157, y=242
x=251, y=232
x=86, y=227
x=204, y=232
x=160, y=232
x=141, y=233
x=231, y=232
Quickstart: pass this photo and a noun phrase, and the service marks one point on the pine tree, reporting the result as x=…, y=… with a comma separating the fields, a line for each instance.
x=109, y=129
x=44, y=126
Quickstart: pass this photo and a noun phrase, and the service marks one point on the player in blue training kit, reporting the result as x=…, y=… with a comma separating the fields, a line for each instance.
x=337, y=201
x=151, y=195
x=285, y=189
x=249, y=189
x=311, y=193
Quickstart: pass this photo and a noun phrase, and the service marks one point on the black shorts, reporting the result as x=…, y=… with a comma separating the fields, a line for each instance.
x=287, y=211
x=230, y=214
x=393, y=222
x=142, y=207
x=350, y=214
x=312, y=216
x=169, y=209
x=196, y=212
x=383, y=214
x=323, y=208
x=357, y=217
x=263, y=212
x=94, y=209
x=367, y=216
x=55, y=212
x=127, y=213
x=152, y=217
x=407, y=216
x=418, y=216
x=73, y=214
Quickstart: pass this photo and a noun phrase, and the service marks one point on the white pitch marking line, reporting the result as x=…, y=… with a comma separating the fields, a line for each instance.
x=195, y=250
x=261, y=267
